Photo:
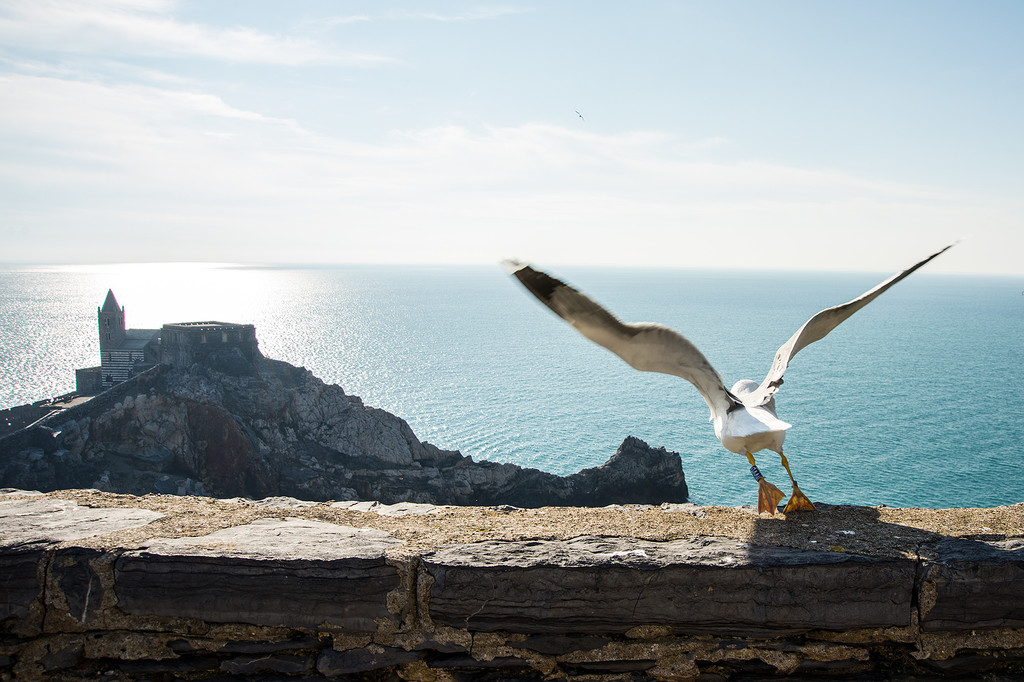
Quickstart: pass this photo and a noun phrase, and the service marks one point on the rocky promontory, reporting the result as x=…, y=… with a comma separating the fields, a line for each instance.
x=233, y=428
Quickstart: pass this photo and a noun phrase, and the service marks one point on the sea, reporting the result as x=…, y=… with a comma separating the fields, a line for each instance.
x=915, y=401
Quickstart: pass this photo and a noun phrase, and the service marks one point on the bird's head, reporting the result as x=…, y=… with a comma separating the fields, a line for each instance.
x=743, y=387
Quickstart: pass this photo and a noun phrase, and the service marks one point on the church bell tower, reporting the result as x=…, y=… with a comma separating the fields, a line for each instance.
x=111, y=320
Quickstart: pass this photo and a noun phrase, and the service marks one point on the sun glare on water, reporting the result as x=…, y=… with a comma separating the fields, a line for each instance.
x=154, y=294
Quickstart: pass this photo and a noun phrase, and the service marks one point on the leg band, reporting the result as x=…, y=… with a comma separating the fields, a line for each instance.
x=756, y=473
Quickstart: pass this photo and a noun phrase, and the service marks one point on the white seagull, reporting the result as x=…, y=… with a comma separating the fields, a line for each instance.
x=744, y=417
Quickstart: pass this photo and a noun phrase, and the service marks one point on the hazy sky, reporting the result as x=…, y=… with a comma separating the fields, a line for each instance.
x=757, y=134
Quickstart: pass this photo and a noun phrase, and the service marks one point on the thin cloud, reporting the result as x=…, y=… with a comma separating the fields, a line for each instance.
x=147, y=27
x=473, y=14
x=643, y=165
x=88, y=156
x=330, y=22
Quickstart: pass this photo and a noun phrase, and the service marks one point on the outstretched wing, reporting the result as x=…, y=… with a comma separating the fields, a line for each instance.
x=817, y=328
x=646, y=347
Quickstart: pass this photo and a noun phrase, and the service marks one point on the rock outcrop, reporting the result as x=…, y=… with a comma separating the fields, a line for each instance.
x=276, y=430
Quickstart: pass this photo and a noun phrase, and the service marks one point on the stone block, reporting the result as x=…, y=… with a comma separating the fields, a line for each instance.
x=61, y=655
x=29, y=528
x=970, y=585
x=22, y=587
x=592, y=585
x=77, y=581
x=291, y=573
x=278, y=663
x=44, y=522
x=351, y=661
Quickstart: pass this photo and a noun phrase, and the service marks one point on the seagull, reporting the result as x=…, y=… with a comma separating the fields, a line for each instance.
x=744, y=416
x=579, y=114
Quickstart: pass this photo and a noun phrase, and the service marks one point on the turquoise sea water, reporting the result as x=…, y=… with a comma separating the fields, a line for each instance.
x=914, y=401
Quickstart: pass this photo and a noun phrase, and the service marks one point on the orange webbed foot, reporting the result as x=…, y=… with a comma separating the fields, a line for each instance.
x=768, y=497
x=798, y=502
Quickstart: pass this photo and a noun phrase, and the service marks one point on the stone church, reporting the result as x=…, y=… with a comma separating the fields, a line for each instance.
x=125, y=353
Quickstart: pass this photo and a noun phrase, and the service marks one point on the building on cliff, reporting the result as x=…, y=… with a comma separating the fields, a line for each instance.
x=124, y=353
x=184, y=343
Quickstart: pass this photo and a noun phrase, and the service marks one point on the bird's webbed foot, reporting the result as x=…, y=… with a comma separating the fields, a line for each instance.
x=798, y=501
x=768, y=497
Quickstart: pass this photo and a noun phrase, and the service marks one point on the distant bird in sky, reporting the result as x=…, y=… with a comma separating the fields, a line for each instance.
x=579, y=114
x=744, y=416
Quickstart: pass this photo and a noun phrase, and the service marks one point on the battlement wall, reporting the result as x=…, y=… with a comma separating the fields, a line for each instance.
x=185, y=343
x=138, y=587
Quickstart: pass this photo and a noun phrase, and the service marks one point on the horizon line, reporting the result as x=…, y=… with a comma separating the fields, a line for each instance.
x=11, y=266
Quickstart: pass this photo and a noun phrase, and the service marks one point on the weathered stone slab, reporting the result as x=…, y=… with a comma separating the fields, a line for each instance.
x=28, y=529
x=284, y=502
x=293, y=573
x=970, y=584
x=22, y=585
x=77, y=581
x=279, y=663
x=703, y=585
x=397, y=509
x=352, y=661
x=48, y=521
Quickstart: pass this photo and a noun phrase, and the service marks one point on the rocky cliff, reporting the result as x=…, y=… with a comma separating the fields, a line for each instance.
x=228, y=428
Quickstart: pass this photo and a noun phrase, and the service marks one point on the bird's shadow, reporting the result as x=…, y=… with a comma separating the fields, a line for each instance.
x=865, y=531
x=839, y=528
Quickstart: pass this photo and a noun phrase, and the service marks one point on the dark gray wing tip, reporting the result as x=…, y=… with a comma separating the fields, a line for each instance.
x=512, y=266
x=538, y=283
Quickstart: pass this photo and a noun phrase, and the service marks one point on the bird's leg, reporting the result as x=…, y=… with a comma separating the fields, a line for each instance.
x=768, y=496
x=799, y=501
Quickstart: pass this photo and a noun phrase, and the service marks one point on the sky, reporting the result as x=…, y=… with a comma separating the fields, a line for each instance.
x=754, y=134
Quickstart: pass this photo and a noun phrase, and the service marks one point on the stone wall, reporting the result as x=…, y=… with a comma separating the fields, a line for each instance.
x=89, y=380
x=42, y=434
x=184, y=343
x=284, y=597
